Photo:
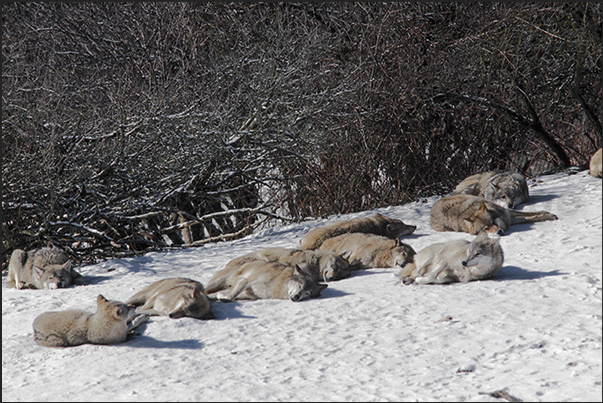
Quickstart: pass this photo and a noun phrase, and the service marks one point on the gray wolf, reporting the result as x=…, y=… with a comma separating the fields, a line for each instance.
x=455, y=261
x=595, y=164
x=472, y=214
x=260, y=279
x=321, y=265
x=505, y=188
x=175, y=297
x=365, y=251
x=110, y=324
x=377, y=224
x=45, y=268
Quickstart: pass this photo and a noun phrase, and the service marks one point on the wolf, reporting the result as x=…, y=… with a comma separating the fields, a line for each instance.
x=45, y=268
x=110, y=324
x=472, y=214
x=175, y=297
x=595, y=167
x=377, y=224
x=505, y=188
x=260, y=279
x=455, y=261
x=365, y=251
x=321, y=265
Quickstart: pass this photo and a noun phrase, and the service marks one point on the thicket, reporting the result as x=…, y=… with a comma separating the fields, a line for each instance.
x=129, y=127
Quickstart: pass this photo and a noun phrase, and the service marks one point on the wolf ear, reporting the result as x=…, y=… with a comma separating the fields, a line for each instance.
x=118, y=312
x=346, y=255
x=469, y=225
x=297, y=271
x=39, y=272
x=101, y=300
x=397, y=242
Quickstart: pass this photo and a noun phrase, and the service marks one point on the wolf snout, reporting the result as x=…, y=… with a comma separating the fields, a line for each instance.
x=464, y=263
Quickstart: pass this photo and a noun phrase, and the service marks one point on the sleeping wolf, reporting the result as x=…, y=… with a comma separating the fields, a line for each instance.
x=321, y=265
x=260, y=279
x=366, y=251
x=377, y=224
x=455, y=261
x=505, y=188
x=174, y=297
x=45, y=268
x=472, y=214
x=110, y=324
x=595, y=166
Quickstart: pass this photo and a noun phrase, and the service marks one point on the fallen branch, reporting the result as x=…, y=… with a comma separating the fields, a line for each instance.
x=501, y=394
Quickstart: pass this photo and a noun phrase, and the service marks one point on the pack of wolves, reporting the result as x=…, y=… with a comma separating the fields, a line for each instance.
x=481, y=205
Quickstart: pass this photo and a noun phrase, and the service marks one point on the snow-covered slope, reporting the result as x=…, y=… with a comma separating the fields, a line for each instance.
x=534, y=331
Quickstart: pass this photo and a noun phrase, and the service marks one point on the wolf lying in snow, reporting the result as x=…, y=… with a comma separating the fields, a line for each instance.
x=321, y=265
x=472, y=214
x=505, y=188
x=365, y=251
x=260, y=279
x=45, y=268
x=110, y=324
x=455, y=261
x=377, y=224
x=595, y=166
x=174, y=297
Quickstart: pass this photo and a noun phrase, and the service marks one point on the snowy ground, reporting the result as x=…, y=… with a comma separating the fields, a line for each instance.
x=534, y=331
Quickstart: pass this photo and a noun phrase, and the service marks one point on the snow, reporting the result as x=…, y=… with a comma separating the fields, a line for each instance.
x=534, y=331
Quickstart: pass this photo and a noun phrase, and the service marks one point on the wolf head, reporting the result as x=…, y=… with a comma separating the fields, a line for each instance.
x=334, y=267
x=484, y=251
x=113, y=310
x=302, y=287
x=394, y=227
x=54, y=276
x=402, y=254
x=196, y=305
x=506, y=190
x=485, y=218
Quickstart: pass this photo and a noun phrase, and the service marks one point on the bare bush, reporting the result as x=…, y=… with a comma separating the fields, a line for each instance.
x=140, y=126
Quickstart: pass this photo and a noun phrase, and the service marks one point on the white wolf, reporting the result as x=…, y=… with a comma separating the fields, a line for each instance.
x=505, y=188
x=110, y=324
x=595, y=166
x=321, y=265
x=365, y=251
x=45, y=268
x=175, y=297
x=376, y=224
x=260, y=279
x=455, y=261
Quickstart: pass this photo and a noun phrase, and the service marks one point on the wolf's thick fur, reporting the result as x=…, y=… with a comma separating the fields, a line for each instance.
x=366, y=251
x=595, y=164
x=110, y=324
x=377, y=224
x=321, y=265
x=175, y=297
x=455, y=261
x=472, y=214
x=260, y=279
x=45, y=268
x=505, y=188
